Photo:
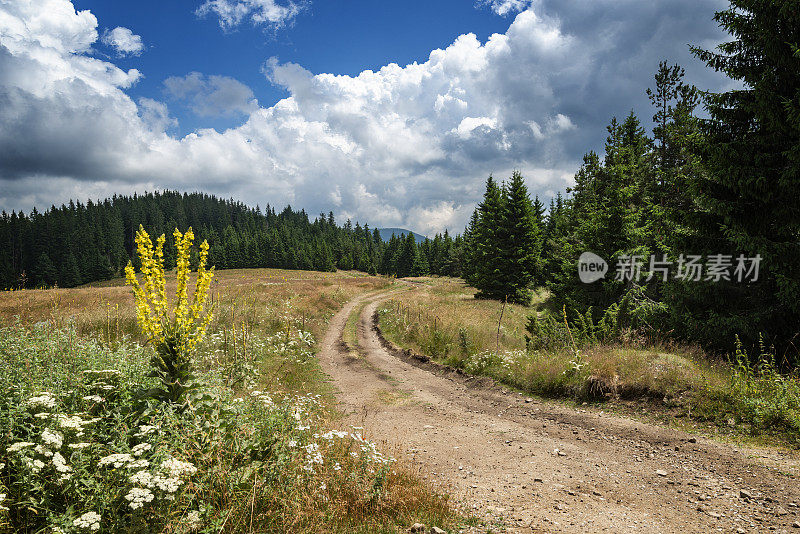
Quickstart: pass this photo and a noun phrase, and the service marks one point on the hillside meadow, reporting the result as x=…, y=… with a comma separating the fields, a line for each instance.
x=259, y=450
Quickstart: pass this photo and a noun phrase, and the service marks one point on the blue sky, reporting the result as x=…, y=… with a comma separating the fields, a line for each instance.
x=344, y=37
x=390, y=113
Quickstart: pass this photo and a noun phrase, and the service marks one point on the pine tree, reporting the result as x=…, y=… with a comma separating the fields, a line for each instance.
x=70, y=275
x=45, y=271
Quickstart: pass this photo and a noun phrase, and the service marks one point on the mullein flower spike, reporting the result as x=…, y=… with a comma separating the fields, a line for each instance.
x=189, y=323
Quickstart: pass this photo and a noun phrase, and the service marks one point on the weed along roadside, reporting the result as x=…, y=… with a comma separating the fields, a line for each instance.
x=221, y=422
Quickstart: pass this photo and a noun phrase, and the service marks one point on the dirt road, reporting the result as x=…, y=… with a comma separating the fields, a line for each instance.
x=536, y=466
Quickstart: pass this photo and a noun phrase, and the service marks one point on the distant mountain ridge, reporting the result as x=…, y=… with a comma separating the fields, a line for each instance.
x=386, y=234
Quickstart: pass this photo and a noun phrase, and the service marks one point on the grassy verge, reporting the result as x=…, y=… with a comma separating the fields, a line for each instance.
x=259, y=451
x=442, y=320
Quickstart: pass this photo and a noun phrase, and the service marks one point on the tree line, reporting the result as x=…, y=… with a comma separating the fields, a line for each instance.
x=80, y=243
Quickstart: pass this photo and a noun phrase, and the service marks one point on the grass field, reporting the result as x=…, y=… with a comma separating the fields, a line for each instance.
x=264, y=453
x=440, y=318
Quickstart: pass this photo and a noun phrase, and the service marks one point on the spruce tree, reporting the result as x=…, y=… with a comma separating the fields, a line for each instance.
x=748, y=190
x=488, y=242
x=520, y=241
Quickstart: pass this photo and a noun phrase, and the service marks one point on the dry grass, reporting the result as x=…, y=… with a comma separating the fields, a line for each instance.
x=248, y=304
x=448, y=307
x=254, y=297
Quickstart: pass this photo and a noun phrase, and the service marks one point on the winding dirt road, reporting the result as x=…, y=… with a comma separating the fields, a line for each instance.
x=527, y=465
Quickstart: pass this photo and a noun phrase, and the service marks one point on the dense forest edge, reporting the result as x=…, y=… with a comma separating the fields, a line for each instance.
x=81, y=243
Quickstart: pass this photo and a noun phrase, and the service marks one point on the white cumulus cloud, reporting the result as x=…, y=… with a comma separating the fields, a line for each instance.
x=211, y=96
x=268, y=13
x=400, y=146
x=506, y=7
x=124, y=41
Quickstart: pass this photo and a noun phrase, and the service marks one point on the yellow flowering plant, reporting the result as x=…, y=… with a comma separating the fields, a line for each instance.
x=174, y=333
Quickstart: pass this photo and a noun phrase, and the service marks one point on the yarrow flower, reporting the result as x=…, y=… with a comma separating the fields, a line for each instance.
x=141, y=448
x=60, y=463
x=176, y=468
x=193, y=519
x=139, y=464
x=45, y=400
x=145, y=430
x=142, y=478
x=34, y=465
x=18, y=446
x=118, y=460
x=138, y=496
x=43, y=451
x=89, y=520
x=52, y=438
x=72, y=422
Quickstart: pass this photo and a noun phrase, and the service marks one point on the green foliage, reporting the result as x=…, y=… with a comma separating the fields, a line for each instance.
x=503, y=242
x=764, y=398
x=749, y=153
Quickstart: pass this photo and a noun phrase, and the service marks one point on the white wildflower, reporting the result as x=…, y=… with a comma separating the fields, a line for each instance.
x=94, y=398
x=141, y=448
x=45, y=400
x=176, y=468
x=52, y=438
x=2, y=498
x=193, y=519
x=72, y=422
x=60, y=463
x=139, y=464
x=138, y=496
x=43, y=451
x=142, y=478
x=90, y=520
x=79, y=445
x=43, y=415
x=167, y=485
x=34, y=465
x=117, y=459
x=292, y=443
x=145, y=430
x=18, y=446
